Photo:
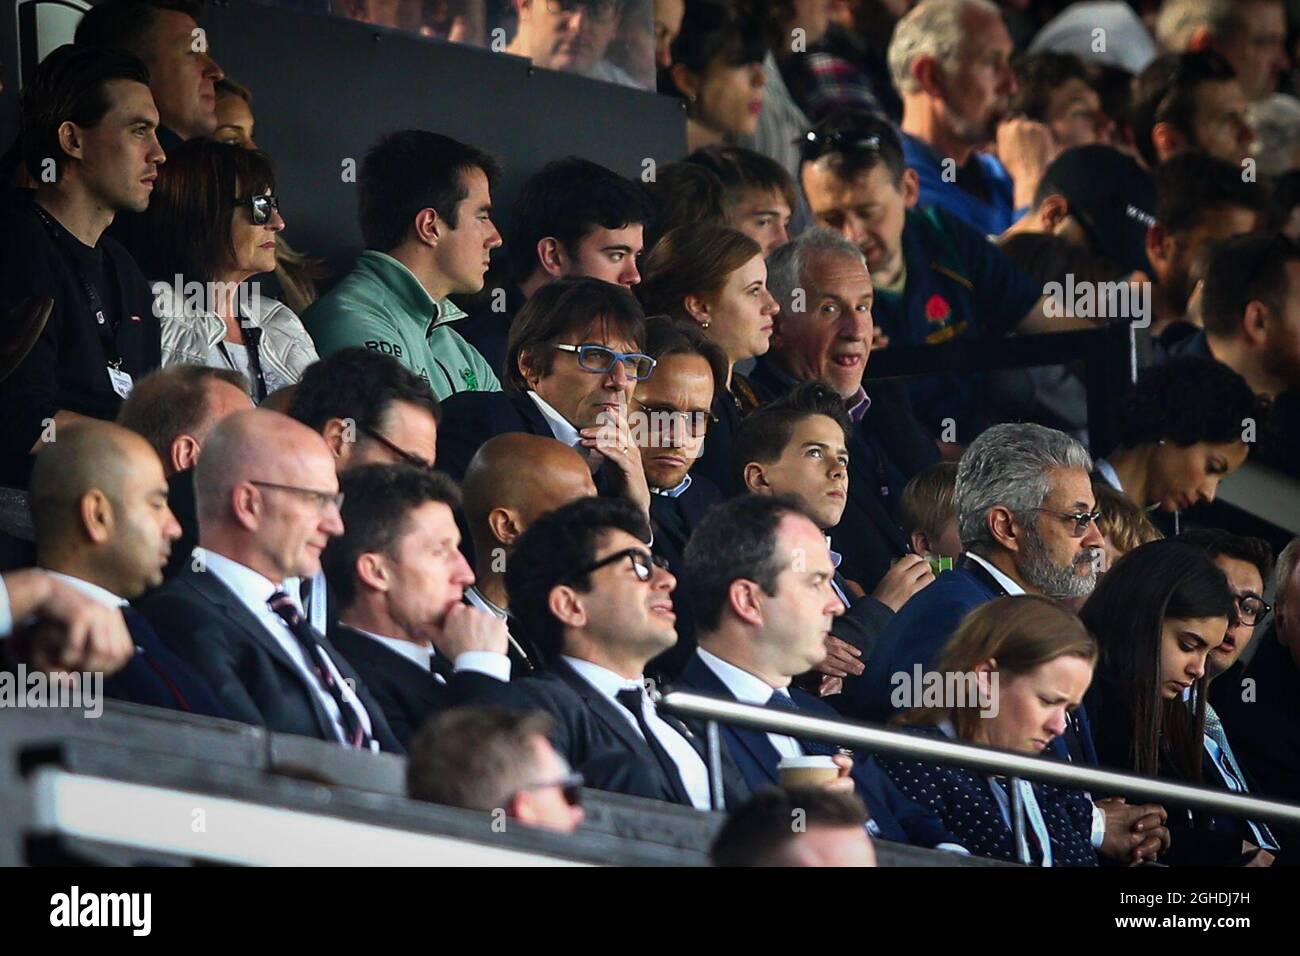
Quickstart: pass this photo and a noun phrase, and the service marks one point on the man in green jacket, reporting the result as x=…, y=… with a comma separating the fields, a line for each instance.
x=426, y=219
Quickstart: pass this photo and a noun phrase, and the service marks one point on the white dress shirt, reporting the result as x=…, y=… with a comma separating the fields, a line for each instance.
x=253, y=591
x=483, y=662
x=690, y=767
x=1011, y=587
x=560, y=427
x=748, y=689
x=92, y=591
x=675, y=491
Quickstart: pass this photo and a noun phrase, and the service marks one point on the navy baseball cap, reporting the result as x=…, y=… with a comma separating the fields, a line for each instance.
x=1111, y=196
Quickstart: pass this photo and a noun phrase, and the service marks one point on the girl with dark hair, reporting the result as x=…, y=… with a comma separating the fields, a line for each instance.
x=213, y=221
x=1157, y=615
x=1182, y=430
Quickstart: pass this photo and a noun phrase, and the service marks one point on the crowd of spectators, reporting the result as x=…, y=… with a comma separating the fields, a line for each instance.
x=365, y=509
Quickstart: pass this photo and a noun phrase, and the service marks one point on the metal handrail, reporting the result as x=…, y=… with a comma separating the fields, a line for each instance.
x=1104, y=782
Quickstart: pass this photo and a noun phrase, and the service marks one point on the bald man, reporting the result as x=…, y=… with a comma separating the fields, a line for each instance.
x=268, y=503
x=99, y=505
x=501, y=499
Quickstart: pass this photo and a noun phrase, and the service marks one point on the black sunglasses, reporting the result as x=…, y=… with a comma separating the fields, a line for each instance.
x=814, y=145
x=260, y=207
x=570, y=788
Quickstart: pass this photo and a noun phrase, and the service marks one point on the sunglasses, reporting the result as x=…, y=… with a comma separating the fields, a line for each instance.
x=260, y=207
x=601, y=360
x=815, y=145
x=570, y=788
x=1081, y=519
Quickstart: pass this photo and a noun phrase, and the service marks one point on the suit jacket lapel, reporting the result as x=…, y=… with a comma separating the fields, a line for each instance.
x=754, y=741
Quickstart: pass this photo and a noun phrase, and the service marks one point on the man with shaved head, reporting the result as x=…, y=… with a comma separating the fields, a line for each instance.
x=99, y=504
x=268, y=503
x=501, y=500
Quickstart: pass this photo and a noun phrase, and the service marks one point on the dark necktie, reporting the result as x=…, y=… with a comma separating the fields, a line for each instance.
x=135, y=621
x=630, y=697
x=353, y=729
x=441, y=667
x=812, y=748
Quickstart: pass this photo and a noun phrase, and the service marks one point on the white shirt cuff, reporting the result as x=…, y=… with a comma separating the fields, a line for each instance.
x=6, y=614
x=1098, y=826
x=485, y=662
x=953, y=848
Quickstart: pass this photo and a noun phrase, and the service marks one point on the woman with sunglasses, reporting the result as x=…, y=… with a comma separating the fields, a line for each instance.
x=1157, y=615
x=715, y=277
x=1182, y=430
x=213, y=223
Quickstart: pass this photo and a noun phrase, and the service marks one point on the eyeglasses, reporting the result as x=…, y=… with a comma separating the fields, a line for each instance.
x=323, y=499
x=815, y=145
x=570, y=788
x=695, y=424
x=602, y=11
x=1251, y=609
x=409, y=457
x=1081, y=519
x=601, y=360
x=260, y=207
x=643, y=563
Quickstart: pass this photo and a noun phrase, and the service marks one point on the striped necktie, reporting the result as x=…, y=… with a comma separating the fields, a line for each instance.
x=1214, y=730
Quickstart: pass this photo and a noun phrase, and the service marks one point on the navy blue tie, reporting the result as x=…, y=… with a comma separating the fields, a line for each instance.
x=813, y=748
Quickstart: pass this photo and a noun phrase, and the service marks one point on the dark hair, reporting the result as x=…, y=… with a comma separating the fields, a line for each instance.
x=69, y=86
x=548, y=553
x=1191, y=186
x=765, y=434
x=227, y=86
x=475, y=757
x=377, y=500
x=696, y=259
x=743, y=170
x=1039, y=75
x=717, y=30
x=567, y=199
x=411, y=170
x=856, y=141
x=755, y=833
x=360, y=384
x=193, y=201
x=735, y=540
x=1152, y=583
x=665, y=337
x=1165, y=92
x=1186, y=400
x=127, y=25
x=1286, y=196
x=171, y=401
x=684, y=194
x=1216, y=542
x=1241, y=270
x=564, y=308
x=1049, y=258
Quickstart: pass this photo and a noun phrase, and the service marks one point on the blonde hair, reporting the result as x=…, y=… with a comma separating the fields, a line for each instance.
x=1122, y=521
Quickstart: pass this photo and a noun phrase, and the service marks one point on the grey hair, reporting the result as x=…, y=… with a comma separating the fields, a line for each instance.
x=1276, y=120
x=1179, y=19
x=1286, y=562
x=787, y=264
x=932, y=28
x=1010, y=465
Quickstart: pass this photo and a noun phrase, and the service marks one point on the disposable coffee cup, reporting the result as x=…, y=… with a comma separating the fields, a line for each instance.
x=807, y=771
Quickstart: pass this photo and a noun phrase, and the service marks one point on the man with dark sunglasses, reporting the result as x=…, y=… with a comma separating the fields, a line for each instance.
x=573, y=359
x=585, y=587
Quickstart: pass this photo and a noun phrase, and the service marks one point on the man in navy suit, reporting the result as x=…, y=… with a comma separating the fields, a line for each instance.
x=584, y=585
x=572, y=361
x=400, y=580
x=99, y=503
x=761, y=573
x=1026, y=515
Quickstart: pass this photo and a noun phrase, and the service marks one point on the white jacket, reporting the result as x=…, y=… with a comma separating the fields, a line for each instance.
x=285, y=348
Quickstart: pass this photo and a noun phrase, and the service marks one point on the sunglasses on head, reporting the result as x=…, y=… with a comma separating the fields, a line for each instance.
x=260, y=207
x=815, y=145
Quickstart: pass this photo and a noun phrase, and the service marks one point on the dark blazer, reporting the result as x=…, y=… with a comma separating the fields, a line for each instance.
x=717, y=463
x=896, y=816
x=887, y=447
x=599, y=741
x=180, y=499
x=206, y=624
x=673, y=520
x=1264, y=730
x=408, y=694
x=963, y=800
x=157, y=677
x=916, y=635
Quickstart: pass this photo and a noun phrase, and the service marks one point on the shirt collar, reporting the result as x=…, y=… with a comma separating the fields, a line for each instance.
x=1109, y=473
x=744, y=686
x=602, y=678
x=675, y=491
x=402, y=282
x=413, y=652
x=93, y=591
x=475, y=597
x=836, y=557
x=857, y=404
x=559, y=425
x=1011, y=587
x=247, y=583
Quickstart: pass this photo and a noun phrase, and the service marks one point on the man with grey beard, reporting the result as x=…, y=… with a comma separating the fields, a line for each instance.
x=1027, y=519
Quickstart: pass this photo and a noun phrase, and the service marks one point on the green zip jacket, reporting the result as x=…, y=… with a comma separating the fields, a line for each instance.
x=380, y=304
